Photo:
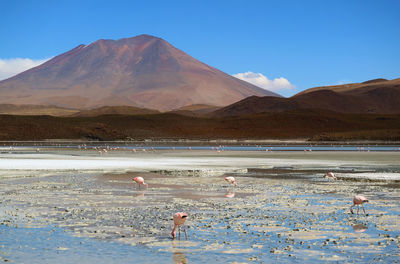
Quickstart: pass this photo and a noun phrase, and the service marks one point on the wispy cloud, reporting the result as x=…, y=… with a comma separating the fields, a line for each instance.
x=342, y=82
x=260, y=80
x=11, y=67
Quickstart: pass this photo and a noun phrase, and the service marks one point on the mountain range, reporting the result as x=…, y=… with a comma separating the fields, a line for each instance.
x=143, y=87
x=143, y=71
x=377, y=96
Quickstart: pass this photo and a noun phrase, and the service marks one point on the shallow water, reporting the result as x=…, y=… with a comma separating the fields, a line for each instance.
x=146, y=146
x=66, y=205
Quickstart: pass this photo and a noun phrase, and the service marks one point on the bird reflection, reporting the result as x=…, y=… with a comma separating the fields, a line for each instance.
x=179, y=258
x=229, y=195
x=139, y=194
x=360, y=228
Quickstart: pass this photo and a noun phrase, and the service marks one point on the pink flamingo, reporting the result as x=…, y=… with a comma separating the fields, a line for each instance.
x=179, y=220
x=231, y=180
x=140, y=181
x=357, y=200
x=331, y=175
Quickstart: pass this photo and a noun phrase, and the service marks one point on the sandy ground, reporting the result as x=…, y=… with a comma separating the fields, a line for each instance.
x=283, y=210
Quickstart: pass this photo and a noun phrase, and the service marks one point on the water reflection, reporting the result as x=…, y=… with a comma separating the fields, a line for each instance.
x=179, y=258
x=230, y=194
x=360, y=228
x=139, y=194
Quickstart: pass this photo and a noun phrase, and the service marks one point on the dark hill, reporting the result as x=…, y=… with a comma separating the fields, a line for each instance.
x=315, y=124
x=380, y=97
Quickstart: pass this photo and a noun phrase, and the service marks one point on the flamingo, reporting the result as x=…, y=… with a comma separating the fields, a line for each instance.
x=179, y=220
x=331, y=175
x=231, y=180
x=357, y=200
x=139, y=181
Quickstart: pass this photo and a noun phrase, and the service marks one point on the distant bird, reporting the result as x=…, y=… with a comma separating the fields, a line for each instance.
x=357, y=200
x=231, y=180
x=179, y=220
x=140, y=181
x=331, y=175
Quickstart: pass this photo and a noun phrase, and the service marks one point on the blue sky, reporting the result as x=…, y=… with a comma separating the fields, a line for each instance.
x=306, y=43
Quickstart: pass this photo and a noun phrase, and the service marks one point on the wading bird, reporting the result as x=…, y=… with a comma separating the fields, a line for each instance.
x=179, y=220
x=140, y=181
x=231, y=180
x=331, y=175
x=357, y=200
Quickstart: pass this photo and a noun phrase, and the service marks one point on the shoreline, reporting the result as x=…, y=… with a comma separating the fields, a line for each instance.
x=212, y=141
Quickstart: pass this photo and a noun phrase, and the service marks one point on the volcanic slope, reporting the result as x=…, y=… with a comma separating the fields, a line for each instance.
x=143, y=71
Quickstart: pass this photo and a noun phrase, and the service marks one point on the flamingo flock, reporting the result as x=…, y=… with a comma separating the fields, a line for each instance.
x=179, y=218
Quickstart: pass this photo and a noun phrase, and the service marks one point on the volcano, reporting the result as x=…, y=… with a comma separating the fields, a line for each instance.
x=143, y=71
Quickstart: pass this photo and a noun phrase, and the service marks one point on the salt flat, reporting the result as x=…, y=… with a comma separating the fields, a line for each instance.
x=284, y=212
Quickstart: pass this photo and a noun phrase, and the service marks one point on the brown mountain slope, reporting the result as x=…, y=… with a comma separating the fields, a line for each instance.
x=356, y=88
x=10, y=109
x=116, y=110
x=316, y=124
x=199, y=107
x=142, y=71
x=195, y=110
x=376, y=96
x=254, y=105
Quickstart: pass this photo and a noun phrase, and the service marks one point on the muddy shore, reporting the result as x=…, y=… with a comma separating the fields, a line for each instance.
x=285, y=211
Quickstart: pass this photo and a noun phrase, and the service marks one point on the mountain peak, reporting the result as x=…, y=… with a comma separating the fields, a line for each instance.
x=143, y=71
x=145, y=36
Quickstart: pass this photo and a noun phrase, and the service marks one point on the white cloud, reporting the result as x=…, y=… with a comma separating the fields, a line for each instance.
x=260, y=80
x=11, y=67
x=341, y=82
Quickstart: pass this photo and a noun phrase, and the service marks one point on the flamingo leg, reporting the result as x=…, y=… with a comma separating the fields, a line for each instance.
x=184, y=229
x=179, y=229
x=363, y=209
x=358, y=208
x=351, y=209
x=173, y=232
